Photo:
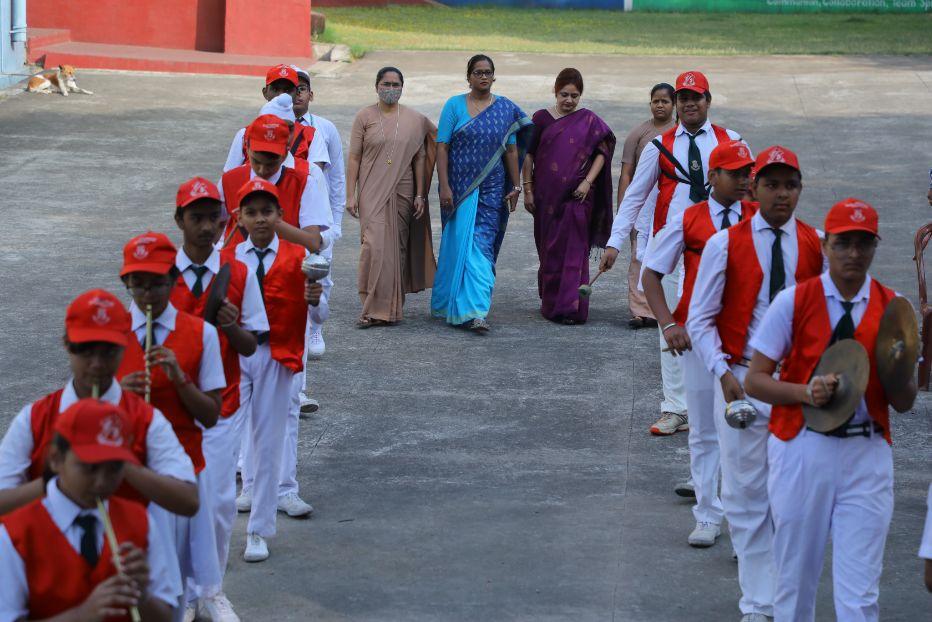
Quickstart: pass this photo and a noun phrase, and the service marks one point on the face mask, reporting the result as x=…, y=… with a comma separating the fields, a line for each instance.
x=390, y=97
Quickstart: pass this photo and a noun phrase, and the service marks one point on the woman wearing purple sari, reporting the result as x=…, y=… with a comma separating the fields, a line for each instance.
x=568, y=189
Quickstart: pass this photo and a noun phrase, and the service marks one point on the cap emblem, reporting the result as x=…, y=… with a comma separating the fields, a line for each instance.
x=742, y=152
x=776, y=155
x=198, y=189
x=689, y=80
x=857, y=215
x=111, y=431
x=101, y=316
x=283, y=72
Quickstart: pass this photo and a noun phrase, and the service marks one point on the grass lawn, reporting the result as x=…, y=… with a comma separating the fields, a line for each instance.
x=493, y=29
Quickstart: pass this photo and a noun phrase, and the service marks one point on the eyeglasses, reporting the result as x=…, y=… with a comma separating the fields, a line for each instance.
x=156, y=288
x=483, y=73
x=846, y=245
x=303, y=89
x=91, y=349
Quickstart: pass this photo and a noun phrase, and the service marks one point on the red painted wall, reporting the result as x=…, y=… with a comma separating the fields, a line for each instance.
x=280, y=28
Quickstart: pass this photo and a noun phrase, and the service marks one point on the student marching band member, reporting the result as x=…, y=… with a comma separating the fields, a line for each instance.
x=57, y=563
x=183, y=372
x=268, y=375
x=241, y=316
x=685, y=236
x=741, y=270
x=676, y=163
x=838, y=483
x=925, y=549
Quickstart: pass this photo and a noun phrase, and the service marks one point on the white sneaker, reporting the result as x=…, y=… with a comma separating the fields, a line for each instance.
x=256, y=548
x=308, y=404
x=190, y=613
x=244, y=501
x=294, y=506
x=755, y=617
x=219, y=608
x=315, y=345
x=704, y=535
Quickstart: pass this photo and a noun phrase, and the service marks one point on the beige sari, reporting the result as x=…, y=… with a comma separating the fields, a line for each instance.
x=397, y=255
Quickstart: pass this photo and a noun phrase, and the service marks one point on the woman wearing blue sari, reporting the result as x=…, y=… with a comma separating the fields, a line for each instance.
x=481, y=139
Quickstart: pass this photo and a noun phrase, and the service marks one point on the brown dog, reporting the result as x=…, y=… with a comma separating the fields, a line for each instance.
x=61, y=78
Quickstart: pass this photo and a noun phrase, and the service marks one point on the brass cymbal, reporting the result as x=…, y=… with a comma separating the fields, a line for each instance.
x=848, y=359
x=897, y=345
x=218, y=291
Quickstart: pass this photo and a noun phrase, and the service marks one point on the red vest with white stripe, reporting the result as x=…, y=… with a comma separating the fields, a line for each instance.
x=184, y=300
x=186, y=341
x=744, y=279
x=697, y=229
x=45, y=412
x=290, y=189
x=669, y=175
x=58, y=577
x=812, y=331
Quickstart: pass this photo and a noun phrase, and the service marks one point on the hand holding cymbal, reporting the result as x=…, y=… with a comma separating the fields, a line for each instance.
x=841, y=377
x=896, y=350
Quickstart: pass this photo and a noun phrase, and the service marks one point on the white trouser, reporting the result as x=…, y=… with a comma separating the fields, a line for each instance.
x=319, y=314
x=221, y=449
x=744, y=496
x=288, y=479
x=671, y=373
x=164, y=522
x=703, y=440
x=265, y=392
x=819, y=486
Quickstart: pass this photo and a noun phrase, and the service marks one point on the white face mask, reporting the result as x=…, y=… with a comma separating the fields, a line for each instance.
x=390, y=96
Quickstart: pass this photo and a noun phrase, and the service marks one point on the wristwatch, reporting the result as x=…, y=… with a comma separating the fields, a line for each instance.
x=516, y=189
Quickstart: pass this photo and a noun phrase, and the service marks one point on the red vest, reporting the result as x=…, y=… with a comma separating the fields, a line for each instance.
x=667, y=181
x=186, y=341
x=59, y=578
x=697, y=229
x=812, y=331
x=290, y=188
x=44, y=414
x=299, y=147
x=283, y=293
x=744, y=279
x=185, y=301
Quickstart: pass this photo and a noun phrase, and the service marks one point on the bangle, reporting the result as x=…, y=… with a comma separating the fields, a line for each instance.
x=527, y=183
x=417, y=196
x=587, y=181
x=670, y=325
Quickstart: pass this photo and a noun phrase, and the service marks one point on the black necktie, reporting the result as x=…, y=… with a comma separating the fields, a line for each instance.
x=302, y=121
x=777, y=269
x=696, y=178
x=726, y=221
x=260, y=269
x=199, y=272
x=845, y=327
x=88, y=523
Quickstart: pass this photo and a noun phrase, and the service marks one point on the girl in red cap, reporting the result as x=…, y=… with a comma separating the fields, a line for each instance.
x=838, y=483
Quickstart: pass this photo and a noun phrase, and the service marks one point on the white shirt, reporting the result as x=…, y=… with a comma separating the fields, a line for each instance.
x=210, y=375
x=317, y=152
x=252, y=315
x=925, y=549
x=333, y=168
x=14, y=590
x=775, y=336
x=710, y=280
x=648, y=173
x=314, y=209
x=164, y=454
x=669, y=242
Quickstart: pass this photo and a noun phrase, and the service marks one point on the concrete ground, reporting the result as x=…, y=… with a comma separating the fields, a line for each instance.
x=508, y=477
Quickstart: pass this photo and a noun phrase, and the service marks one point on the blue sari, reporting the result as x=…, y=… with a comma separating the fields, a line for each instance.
x=474, y=230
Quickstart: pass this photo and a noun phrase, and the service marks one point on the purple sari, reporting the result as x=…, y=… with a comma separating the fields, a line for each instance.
x=566, y=229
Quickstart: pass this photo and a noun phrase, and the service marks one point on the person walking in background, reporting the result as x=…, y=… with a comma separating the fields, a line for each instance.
x=571, y=198
x=480, y=144
x=661, y=110
x=391, y=159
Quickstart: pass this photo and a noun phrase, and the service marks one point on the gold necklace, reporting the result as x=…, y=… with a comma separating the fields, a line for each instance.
x=397, y=121
x=475, y=105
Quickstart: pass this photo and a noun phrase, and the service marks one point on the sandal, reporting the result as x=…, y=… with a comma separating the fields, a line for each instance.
x=478, y=326
x=363, y=322
x=641, y=322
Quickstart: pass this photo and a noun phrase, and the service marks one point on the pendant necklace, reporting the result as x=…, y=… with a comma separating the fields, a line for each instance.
x=397, y=121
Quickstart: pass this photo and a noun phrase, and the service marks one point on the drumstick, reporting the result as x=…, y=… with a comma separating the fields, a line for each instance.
x=148, y=347
x=115, y=550
x=586, y=290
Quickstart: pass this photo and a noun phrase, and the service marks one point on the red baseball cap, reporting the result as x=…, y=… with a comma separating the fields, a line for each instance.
x=97, y=315
x=281, y=72
x=149, y=252
x=730, y=156
x=268, y=133
x=194, y=189
x=852, y=215
x=97, y=431
x=257, y=184
x=692, y=81
x=776, y=155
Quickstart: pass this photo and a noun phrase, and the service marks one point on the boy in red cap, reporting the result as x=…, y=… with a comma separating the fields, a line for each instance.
x=197, y=214
x=55, y=558
x=741, y=271
x=268, y=375
x=685, y=236
x=676, y=163
x=838, y=483
x=186, y=382
x=306, y=209
x=96, y=329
